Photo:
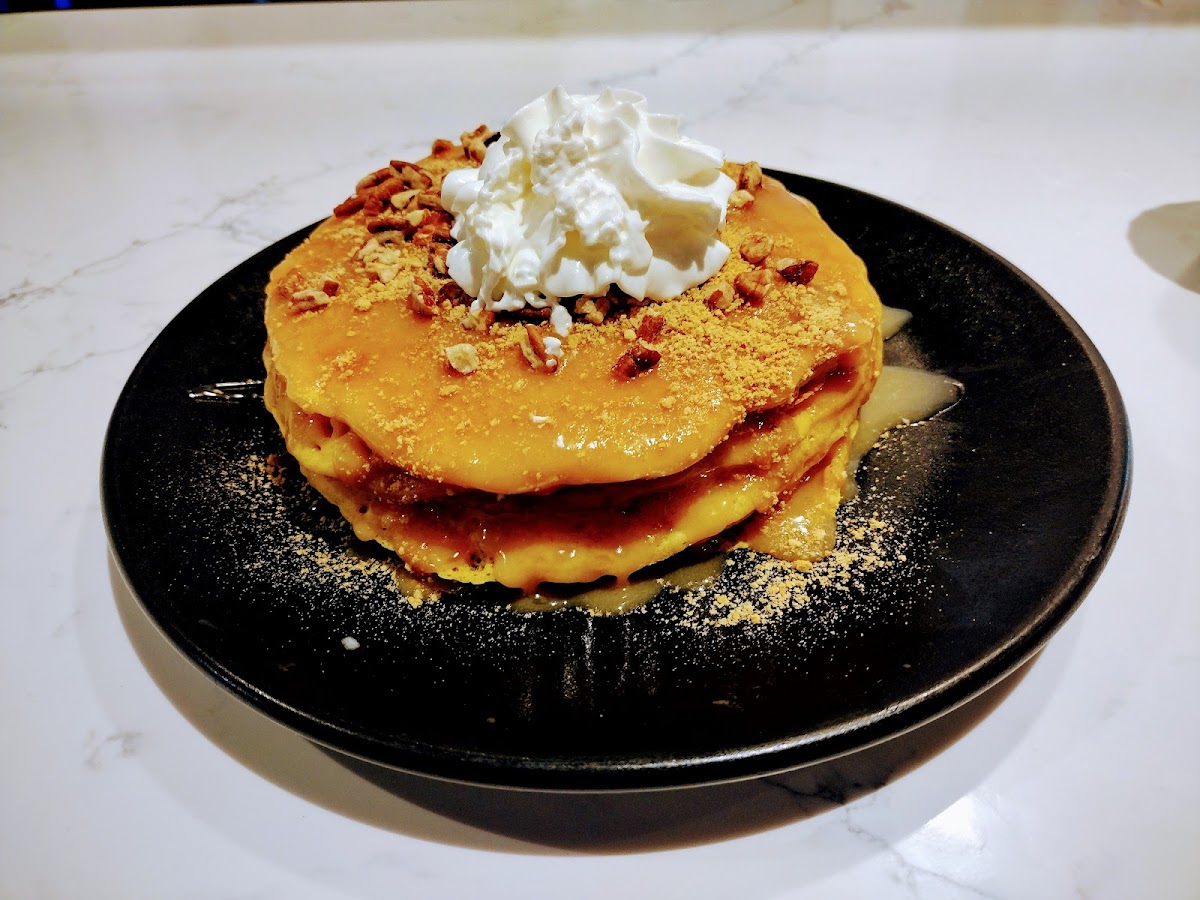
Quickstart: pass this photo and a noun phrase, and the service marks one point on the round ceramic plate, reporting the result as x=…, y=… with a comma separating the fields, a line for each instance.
x=995, y=517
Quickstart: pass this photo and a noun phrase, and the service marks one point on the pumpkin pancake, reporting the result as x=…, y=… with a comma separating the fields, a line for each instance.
x=466, y=444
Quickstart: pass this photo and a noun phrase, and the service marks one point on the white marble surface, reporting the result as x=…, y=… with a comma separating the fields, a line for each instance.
x=144, y=153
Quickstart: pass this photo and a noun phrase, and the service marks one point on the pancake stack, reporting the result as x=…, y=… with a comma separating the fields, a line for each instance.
x=488, y=447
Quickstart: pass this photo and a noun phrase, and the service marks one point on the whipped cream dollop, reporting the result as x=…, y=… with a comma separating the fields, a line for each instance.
x=583, y=192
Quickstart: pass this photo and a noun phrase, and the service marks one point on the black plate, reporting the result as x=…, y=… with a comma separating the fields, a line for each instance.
x=1010, y=503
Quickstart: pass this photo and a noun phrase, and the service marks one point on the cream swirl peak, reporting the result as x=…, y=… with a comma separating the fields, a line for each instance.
x=583, y=192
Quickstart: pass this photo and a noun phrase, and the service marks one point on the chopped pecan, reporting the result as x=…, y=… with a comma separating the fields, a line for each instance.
x=391, y=238
x=381, y=262
x=442, y=148
x=618, y=297
x=593, y=309
x=330, y=287
x=411, y=175
x=291, y=281
x=650, y=328
x=475, y=143
x=538, y=351
x=740, y=198
x=384, y=190
x=530, y=314
x=801, y=272
x=391, y=223
x=756, y=248
x=435, y=227
x=475, y=151
x=719, y=299
x=421, y=298
x=452, y=293
x=404, y=199
x=437, y=258
x=751, y=177
x=377, y=177
x=437, y=220
x=430, y=200
x=463, y=358
x=634, y=361
x=349, y=205
x=307, y=301
x=371, y=193
x=756, y=286
x=478, y=320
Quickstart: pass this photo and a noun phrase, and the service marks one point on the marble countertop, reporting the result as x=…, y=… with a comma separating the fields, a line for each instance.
x=144, y=153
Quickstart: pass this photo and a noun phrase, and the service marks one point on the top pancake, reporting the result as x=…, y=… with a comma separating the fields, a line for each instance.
x=367, y=360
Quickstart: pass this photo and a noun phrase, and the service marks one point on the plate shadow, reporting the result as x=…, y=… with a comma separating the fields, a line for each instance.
x=510, y=819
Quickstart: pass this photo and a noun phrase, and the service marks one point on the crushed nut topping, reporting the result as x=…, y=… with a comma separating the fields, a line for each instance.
x=801, y=272
x=756, y=248
x=542, y=353
x=330, y=286
x=421, y=298
x=756, y=286
x=634, y=361
x=740, y=198
x=463, y=358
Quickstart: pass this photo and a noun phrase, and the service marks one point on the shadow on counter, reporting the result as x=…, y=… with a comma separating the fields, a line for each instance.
x=1167, y=239
x=641, y=821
